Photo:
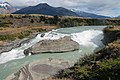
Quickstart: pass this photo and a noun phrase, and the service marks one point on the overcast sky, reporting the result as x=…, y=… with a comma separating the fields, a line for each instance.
x=103, y=7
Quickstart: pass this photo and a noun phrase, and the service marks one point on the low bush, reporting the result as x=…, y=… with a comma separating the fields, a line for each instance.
x=7, y=37
x=93, y=70
x=24, y=34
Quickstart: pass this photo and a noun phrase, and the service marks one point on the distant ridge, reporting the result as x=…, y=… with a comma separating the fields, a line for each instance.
x=44, y=8
x=88, y=15
x=118, y=17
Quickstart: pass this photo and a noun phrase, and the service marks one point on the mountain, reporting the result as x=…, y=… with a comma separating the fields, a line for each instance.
x=6, y=7
x=88, y=15
x=44, y=8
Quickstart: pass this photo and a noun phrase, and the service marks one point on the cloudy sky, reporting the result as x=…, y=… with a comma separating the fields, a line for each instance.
x=103, y=7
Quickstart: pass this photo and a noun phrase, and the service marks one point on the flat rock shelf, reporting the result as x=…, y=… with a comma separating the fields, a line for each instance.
x=40, y=70
x=64, y=44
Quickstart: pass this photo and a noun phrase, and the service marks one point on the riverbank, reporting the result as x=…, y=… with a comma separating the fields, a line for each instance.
x=11, y=38
x=103, y=65
x=40, y=70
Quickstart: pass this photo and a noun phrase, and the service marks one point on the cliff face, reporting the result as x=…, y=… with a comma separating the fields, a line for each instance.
x=112, y=41
x=112, y=50
x=111, y=34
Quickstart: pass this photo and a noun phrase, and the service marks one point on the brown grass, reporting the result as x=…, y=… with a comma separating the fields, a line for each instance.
x=2, y=43
x=18, y=30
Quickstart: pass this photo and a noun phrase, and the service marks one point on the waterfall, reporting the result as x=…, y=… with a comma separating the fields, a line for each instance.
x=89, y=37
x=84, y=38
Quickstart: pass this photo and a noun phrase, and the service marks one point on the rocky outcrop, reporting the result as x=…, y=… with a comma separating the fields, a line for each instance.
x=11, y=45
x=111, y=34
x=112, y=50
x=40, y=70
x=60, y=45
x=112, y=41
x=17, y=43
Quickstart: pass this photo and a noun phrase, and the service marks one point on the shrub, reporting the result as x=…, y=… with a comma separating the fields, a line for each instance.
x=7, y=37
x=32, y=21
x=24, y=34
x=11, y=16
x=40, y=30
x=99, y=70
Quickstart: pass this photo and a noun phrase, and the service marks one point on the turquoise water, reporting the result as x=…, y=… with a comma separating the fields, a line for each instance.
x=79, y=29
x=89, y=38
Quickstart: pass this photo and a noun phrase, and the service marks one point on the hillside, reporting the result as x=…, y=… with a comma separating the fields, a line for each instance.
x=21, y=20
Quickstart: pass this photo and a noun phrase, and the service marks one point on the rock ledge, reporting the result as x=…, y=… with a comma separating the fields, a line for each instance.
x=64, y=44
x=40, y=70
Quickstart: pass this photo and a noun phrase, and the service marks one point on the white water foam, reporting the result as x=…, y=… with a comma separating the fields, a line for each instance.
x=89, y=37
x=18, y=52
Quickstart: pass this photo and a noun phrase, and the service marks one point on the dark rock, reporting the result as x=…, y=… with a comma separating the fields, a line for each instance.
x=42, y=35
x=27, y=51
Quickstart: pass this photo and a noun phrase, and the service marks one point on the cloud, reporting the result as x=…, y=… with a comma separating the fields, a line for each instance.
x=104, y=7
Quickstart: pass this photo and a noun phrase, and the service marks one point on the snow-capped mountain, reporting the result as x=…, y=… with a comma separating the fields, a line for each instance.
x=6, y=7
x=88, y=15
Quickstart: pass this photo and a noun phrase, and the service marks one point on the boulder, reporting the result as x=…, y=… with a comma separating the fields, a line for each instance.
x=27, y=51
x=64, y=44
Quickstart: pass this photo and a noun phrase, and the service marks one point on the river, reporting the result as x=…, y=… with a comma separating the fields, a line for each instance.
x=89, y=38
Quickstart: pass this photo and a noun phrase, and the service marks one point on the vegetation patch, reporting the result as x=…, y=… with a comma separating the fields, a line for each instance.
x=93, y=70
x=7, y=37
x=11, y=34
x=20, y=20
x=103, y=65
x=24, y=34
